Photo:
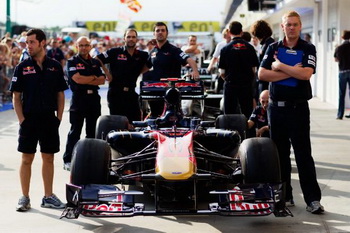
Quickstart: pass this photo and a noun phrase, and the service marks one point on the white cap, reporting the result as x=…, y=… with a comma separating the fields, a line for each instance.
x=94, y=42
x=22, y=40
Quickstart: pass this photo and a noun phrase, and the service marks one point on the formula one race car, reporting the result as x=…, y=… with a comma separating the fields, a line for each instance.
x=174, y=164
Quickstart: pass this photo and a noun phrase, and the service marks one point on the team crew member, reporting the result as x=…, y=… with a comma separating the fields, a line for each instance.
x=259, y=119
x=84, y=76
x=238, y=62
x=56, y=53
x=125, y=67
x=262, y=30
x=288, y=110
x=38, y=99
x=166, y=60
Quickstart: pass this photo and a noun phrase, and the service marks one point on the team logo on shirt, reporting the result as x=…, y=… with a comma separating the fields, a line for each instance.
x=29, y=70
x=80, y=66
x=239, y=46
x=122, y=57
x=14, y=79
x=52, y=69
x=153, y=55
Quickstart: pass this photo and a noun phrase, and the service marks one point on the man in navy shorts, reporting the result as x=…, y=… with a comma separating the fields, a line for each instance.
x=38, y=99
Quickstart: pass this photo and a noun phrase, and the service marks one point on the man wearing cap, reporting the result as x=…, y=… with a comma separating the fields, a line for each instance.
x=23, y=46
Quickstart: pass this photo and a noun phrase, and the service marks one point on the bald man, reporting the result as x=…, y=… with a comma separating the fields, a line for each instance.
x=259, y=119
x=84, y=77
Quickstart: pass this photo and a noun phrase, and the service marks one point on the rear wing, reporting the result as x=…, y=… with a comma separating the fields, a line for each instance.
x=156, y=89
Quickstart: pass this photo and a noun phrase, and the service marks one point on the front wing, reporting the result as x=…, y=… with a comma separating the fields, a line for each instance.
x=109, y=201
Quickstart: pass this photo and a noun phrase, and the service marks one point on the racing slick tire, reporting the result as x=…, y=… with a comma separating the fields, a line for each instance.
x=236, y=122
x=107, y=123
x=259, y=161
x=90, y=162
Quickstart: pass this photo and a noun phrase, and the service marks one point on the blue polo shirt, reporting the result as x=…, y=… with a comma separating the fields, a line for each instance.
x=300, y=92
x=39, y=87
x=166, y=61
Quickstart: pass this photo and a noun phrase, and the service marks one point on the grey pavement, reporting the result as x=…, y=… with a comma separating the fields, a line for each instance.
x=331, y=146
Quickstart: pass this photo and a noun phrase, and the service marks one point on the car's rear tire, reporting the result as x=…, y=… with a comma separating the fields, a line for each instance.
x=90, y=162
x=236, y=122
x=107, y=123
x=259, y=160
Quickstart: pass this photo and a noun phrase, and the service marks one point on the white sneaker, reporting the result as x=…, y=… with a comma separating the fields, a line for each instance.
x=315, y=207
x=66, y=166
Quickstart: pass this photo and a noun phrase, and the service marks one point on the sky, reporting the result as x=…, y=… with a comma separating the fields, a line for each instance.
x=50, y=13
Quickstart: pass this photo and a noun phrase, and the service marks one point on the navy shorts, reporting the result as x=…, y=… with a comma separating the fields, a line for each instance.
x=42, y=129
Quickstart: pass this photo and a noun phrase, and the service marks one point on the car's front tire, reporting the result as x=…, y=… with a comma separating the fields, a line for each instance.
x=90, y=162
x=259, y=161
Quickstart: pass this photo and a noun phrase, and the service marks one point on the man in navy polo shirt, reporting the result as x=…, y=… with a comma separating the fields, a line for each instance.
x=125, y=66
x=289, y=64
x=38, y=88
x=84, y=76
x=238, y=62
x=166, y=60
x=56, y=53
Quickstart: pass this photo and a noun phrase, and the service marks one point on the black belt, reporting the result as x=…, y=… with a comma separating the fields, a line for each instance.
x=287, y=103
x=86, y=92
x=124, y=89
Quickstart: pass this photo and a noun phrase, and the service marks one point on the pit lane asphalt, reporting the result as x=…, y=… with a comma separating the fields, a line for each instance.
x=331, y=146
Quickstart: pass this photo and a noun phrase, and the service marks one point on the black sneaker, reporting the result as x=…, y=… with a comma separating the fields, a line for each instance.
x=23, y=204
x=347, y=116
x=315, y=207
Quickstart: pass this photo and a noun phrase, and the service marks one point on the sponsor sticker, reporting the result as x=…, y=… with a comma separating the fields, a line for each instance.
x=183, y=55
x=291, y=51
x=239, y=46
x=122, y=57
x=311, y=63
x=28, y=70
x=311, y=57
x=80, y=66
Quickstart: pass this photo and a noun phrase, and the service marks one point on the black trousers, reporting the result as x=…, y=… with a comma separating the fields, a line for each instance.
x=125, y=103
x=76, y=120
x=291, y=126
x=238, y=99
